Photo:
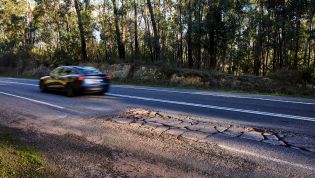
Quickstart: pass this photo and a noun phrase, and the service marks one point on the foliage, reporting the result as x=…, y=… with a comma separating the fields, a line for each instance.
x=234, y=36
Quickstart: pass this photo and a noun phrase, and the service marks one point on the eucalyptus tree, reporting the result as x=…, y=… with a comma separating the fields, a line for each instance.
x=119, y=33
x=235, y=36
x=157, y=47
x=78, y=8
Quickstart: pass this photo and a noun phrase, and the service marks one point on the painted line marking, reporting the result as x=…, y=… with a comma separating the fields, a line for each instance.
x=216, y=107
x=19, y=79
x=33, y=100
x=191, y=93
x=18, y=83
x=218, y=95
x=266, y=157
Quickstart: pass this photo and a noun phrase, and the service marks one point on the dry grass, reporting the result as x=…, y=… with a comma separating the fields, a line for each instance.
x=20, y=161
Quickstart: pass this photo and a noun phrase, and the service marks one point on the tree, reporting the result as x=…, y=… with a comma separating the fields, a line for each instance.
x=120, y=43
x=189, y=35
x=81, y=29
x=234, y=36
x=259, y=41
x=157, y=47
x=135, y=5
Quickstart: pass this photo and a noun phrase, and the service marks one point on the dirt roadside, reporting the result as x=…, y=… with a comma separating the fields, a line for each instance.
x=99, y=147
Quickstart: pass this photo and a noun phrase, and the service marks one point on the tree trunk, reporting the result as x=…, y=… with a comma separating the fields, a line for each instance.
x=147, y=33
x=274, y=59
x=259, y=51
x=309, y=55
x=297, y=39
x=58, y=48
x=123, y=27
x=282, y=53
x=189, y=38
x=211, y=50
x=136, y=28
x=200, y=12
x=309, y=40
x=215, y=14
x=180, y=49
x=157, y=47
x=163, y=31
x=81, y=30
x=120, y=44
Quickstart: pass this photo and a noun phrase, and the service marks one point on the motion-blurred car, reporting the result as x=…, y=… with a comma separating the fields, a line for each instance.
x=75, y=80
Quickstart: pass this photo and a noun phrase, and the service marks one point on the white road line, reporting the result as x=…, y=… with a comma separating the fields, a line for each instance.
x=18, y=83
x=216, y=107
x=33, y=100
x=266, y=157
x=212, y=94
x=21, y=79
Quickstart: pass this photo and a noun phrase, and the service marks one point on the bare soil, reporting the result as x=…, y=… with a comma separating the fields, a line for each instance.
x=96, y=147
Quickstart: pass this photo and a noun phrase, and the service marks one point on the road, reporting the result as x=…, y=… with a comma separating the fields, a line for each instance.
x=54, y=113
x=292, y=114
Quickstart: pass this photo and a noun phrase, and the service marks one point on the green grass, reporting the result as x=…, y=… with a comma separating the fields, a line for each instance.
x=20, y=161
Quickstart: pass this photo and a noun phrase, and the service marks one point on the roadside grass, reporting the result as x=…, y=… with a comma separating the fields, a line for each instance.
x=21, y=161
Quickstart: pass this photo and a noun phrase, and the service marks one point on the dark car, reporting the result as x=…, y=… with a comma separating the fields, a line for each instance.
x=75, y=80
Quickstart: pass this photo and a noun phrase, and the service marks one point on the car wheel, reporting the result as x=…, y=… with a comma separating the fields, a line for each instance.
x=100, y=93
x=70, y=91
x=42, y=88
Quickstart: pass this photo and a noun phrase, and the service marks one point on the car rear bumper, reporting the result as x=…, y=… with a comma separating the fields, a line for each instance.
x=94, y=88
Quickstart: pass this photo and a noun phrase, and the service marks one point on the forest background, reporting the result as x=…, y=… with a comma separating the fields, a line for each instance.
x=273, y=39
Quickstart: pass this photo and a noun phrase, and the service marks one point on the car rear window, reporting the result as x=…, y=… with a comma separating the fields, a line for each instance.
x=89, y=70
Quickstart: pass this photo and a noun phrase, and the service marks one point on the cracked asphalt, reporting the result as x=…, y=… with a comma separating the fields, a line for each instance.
x=223, y=135
x=199, y=130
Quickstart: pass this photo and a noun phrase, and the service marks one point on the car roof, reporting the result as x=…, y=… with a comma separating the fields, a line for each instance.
x=79, y=67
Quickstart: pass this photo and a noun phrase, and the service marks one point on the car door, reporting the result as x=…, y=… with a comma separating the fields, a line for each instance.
x=54, y=81
x=65, y=76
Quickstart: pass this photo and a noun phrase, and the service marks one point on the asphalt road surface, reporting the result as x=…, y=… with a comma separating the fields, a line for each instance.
x=287, y=113
x=281, y=113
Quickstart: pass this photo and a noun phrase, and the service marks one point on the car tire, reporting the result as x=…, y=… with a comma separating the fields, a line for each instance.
x=70, y=91
x=42, y=88
x=100, y=93
x=103, y=91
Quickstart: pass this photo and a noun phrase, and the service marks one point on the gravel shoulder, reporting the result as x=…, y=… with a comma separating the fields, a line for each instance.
x=125, y=146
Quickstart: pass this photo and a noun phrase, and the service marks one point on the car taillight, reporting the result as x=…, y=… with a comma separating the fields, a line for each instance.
x=81, y=78
x=108, y=77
